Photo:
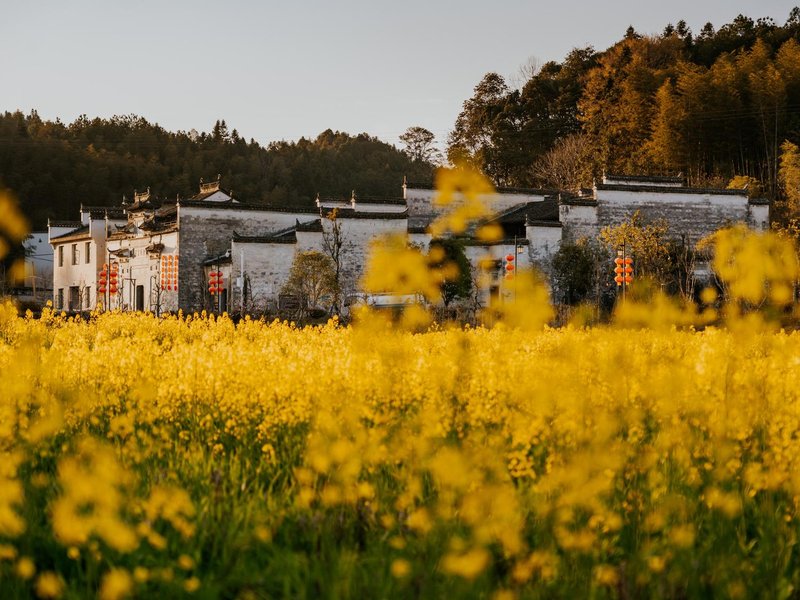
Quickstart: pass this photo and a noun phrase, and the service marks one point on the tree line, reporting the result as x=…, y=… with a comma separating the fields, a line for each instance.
x=710, y=105
x=54, y=167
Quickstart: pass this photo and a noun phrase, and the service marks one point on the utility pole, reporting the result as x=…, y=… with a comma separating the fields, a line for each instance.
x=516, y=266
x=623, y=270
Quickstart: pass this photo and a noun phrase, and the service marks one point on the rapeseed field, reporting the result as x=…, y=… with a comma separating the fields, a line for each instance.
x=191, y=456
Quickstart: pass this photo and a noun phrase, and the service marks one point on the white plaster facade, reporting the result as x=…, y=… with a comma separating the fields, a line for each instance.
x=78, y=255
x=166, y=251
x=423, y=209
x=544, y=240
x=690, y=213
x=358, y=232
x=148, y=273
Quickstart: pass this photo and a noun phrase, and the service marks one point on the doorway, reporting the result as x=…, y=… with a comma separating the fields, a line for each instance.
x=139, y=298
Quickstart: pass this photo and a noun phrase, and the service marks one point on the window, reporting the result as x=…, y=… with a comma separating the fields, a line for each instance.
x=74, y=254
x=87, y=293
x=74, y=297
x=88, y=252
x=61, y=258
x=60, y=295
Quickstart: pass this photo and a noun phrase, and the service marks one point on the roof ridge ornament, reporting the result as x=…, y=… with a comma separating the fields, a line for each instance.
x=208, y=188
x=138, y=198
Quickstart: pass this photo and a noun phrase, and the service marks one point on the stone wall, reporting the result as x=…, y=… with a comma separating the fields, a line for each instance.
x=206, y=231
x=421, y=208
x=578, y=220
x=544, y=241
x=266, y=268
x=688, y=213
x=358, y=235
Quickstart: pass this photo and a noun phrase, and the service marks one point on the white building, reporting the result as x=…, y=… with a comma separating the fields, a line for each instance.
x=691, y=213
x=79, y=250
x=169, y=253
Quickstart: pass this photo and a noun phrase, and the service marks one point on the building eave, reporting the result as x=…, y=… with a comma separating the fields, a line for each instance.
x=668, y=190
x=228, y=205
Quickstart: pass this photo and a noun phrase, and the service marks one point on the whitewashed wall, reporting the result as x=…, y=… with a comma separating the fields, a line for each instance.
x=422, y=240
x=758, y=216
x=578, y=220
x=143, y=268
x=421, y=208
x=358, y=235
x=688, y=213
x=207, y=231
x=543, y=241
x=84, y=274
x=266, y=267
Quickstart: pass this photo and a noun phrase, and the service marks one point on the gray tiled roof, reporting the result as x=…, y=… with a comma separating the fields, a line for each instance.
x=669, y=190
x=349, y=213
x=646, y=178
x=499, y=190
x=230, y=205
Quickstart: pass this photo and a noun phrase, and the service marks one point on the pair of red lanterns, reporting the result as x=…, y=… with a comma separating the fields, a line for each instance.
x=215, y=283
x=107, y=281
x=623, y=270
x=509, y=266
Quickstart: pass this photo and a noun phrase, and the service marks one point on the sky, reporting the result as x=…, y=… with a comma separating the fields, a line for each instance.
x=279, y=70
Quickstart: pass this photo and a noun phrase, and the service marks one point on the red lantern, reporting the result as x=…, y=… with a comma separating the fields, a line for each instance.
x=214, y=282
x=623, y=270
x=102, y=279
x=509, y=266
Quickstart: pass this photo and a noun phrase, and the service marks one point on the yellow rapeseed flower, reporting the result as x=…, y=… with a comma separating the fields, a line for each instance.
x=116, y=584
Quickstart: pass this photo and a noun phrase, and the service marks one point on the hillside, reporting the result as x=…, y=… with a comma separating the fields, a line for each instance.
x=710, y=105
x=53, y=167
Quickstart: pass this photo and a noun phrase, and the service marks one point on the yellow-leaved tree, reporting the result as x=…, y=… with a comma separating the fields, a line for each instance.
x=789, y=177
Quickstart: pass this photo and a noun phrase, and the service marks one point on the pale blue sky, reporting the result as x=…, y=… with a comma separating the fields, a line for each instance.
x=281, y=70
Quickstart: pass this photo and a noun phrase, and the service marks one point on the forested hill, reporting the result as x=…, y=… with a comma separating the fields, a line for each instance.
x=54, y=167
x=710, y=104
